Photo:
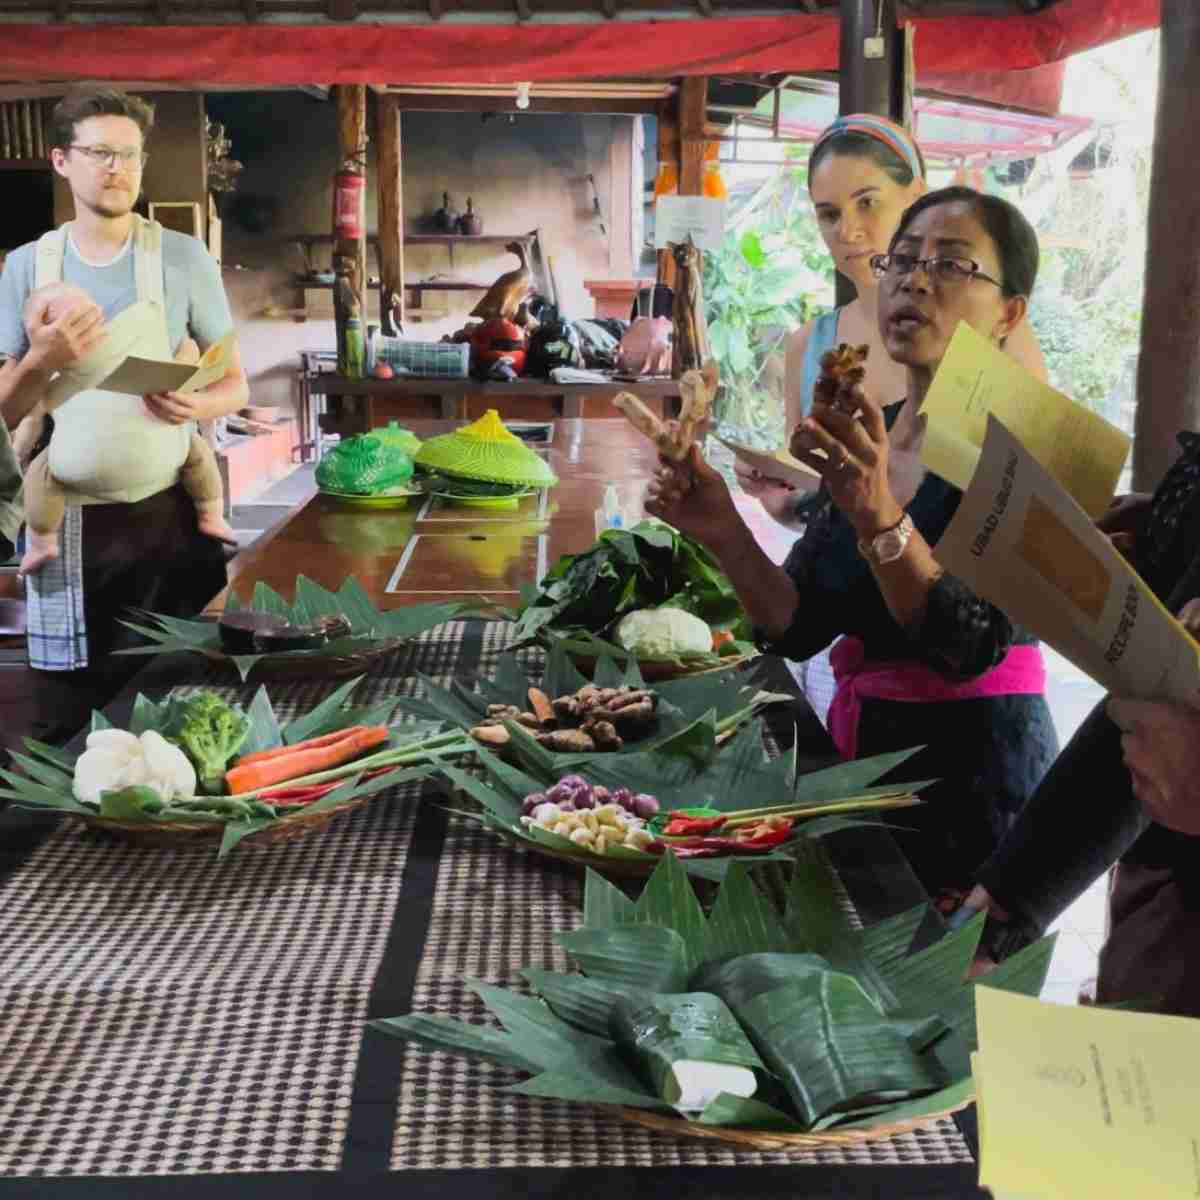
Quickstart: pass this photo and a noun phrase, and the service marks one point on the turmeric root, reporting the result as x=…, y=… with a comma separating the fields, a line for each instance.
x=567, y=741
x=542, y=708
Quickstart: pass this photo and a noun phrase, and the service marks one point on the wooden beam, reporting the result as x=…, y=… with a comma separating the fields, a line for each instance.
x=350, y=254
x=693, y=114
x=586, y=105
x=868, y=84
x=668, y=153
x=1168, y=378
x=389, y=165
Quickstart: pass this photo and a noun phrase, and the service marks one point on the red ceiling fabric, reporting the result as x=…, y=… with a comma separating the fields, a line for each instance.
x=1038, y=89
x=458, y=53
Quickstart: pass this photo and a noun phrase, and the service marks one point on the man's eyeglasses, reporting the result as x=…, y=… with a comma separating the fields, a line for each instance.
x=106, y=156
x=941, y=268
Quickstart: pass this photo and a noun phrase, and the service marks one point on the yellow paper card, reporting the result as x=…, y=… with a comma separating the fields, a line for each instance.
x=1085, y=1102
x=1080, y=449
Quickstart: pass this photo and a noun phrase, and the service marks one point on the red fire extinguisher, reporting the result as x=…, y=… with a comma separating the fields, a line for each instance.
x=349, y=205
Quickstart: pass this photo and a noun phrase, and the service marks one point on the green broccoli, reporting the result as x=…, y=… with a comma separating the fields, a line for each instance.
x=210, y=732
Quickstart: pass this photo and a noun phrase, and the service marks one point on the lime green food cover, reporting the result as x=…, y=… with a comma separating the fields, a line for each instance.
x=369, y=464
x=485, y=450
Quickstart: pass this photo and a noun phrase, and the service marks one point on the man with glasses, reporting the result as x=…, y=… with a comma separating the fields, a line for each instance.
x=136, y=545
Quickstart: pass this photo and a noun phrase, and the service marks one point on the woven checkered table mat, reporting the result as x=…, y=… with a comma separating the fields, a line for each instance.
x=165, y=1013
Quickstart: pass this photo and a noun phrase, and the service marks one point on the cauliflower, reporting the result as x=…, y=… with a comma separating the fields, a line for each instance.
x=663, y=633
x=116, y=759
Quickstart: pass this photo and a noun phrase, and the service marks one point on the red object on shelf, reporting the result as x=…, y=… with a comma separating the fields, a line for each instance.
x=497, y=339
x=349, y=205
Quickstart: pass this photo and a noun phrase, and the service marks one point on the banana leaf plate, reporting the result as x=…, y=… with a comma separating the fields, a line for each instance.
x=373, y=632
x=848, y=1034
x=707, y=750
x=46, y=775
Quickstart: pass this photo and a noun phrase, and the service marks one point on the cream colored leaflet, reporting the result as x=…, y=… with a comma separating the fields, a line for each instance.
x=776, y=464
x=1088, y=1102
x=1019, y=541
x=145, y=376
x=1080, y=449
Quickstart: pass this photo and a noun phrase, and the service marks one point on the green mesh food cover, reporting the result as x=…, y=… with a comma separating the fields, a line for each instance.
x=365, y=465
x=394, y=434
x=486, y=450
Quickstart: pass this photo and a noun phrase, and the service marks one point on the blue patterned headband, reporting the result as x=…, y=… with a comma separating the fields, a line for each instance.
x=883, y=131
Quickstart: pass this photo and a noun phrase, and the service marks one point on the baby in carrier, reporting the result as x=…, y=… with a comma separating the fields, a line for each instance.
x=45, y=495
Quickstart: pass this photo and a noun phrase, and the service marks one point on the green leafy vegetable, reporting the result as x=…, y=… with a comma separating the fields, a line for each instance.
x=648, y=566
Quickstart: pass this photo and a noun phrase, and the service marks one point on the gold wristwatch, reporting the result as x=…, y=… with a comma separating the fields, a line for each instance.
x=887, y=546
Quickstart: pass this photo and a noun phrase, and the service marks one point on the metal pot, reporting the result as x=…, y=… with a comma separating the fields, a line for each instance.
x=470, y=224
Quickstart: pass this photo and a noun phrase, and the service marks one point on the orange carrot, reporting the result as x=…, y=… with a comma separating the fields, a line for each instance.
x=326, y=739
x=301, y=760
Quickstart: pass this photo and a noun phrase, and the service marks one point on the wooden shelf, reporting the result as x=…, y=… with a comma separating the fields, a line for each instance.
x=462, y=239
x=433, y=285
x=423, y=239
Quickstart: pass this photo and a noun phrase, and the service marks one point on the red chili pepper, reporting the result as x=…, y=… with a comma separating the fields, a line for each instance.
x=708, y=847
x=680, y=824
x=292, y=797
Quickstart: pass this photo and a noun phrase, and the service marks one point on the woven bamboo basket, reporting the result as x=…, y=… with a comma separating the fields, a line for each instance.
x=659, y=671
x=762, y=1139
x=310, y=664
x=177, y=834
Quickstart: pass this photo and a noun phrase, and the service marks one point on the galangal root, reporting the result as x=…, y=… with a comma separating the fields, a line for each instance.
x=593, y=718
x=697, y=390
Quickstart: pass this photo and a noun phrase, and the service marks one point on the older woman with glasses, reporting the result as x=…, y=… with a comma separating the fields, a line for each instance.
x=921, y=660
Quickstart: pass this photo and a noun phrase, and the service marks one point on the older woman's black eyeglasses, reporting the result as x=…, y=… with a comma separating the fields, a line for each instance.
x=942, y=268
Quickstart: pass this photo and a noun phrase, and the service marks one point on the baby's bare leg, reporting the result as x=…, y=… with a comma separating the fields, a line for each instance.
x=26, y=435
x=45, y=507
x=201, y=479
x=188, y=353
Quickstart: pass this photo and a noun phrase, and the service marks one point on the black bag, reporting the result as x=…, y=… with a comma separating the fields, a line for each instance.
x=554, y=344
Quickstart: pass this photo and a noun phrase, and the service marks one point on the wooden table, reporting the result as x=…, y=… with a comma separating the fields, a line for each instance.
x=409, y=862
x=430, y=550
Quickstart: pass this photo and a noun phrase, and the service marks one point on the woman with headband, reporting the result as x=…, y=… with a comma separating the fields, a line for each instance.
x=863, y=172
x=920, y=660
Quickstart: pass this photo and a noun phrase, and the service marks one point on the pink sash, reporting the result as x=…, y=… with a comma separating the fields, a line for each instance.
x=1021, y=672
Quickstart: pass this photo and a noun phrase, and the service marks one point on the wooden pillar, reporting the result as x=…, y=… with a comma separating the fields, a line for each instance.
x=1168, y=380
x=693, y=109
x=871, y=73
x=391, y=215
x=668, y=152
x=350, y=254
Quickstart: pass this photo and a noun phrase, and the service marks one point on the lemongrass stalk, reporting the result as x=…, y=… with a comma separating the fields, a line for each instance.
x=875, y=804
x=453, y=742
x=792, y=806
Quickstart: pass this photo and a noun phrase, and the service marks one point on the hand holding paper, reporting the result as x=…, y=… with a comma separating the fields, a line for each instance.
x=1019, y=541
x=976, y=379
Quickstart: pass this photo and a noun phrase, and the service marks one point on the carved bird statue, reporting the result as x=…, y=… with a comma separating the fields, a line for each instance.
x=504, y=297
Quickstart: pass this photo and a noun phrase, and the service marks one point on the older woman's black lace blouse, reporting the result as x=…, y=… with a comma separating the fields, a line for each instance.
x=989, y=753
